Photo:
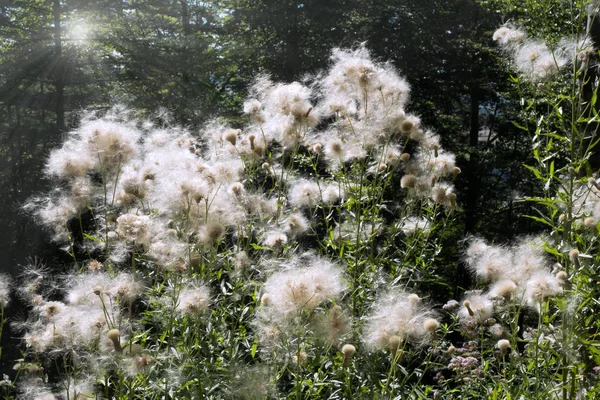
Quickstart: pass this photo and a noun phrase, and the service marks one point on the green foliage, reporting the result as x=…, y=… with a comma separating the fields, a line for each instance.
x=528, y=151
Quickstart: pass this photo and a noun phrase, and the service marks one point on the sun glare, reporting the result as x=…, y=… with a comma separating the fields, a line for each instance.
x=79, y=32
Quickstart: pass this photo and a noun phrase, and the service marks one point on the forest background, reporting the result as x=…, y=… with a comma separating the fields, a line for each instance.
x=187, y=62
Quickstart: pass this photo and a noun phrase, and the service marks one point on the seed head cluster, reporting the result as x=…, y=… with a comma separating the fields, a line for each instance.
x=518, y=273
x=397, y=318
x=535, y=59
x=177, y=222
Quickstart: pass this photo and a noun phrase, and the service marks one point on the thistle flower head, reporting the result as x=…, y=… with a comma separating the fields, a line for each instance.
x=503, y=345
x=71, y=160
x=489, y=263
x=413, y=224
x=79, y=389
x=508, y=35
x=333, y=325
x=253, y=108
x=534, y=58
x=4, y=290
x=300, y=288
x=111, y=144
x=134, y=228
x=529, y=258
x=540, y=287
x=348, y=351
x=408, y=181
x=297, y=224
x=395, y=317
x=275, y=239
x=504, y=288
x=193, y=299
x=476, y=307
x=210, y=233
x=304, y=193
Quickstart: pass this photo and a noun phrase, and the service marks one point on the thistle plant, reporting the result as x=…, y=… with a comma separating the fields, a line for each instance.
x=537, y=293
x=198, y=253
x=293, y=257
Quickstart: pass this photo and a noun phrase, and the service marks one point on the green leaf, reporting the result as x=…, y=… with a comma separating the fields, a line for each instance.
x=535, y=171
x=254, y=348
x=538, y=219
x=93, y=238
x=520, y=126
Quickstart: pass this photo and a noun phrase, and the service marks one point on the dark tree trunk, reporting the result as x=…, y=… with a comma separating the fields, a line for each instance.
x=589, y=76
x=59, y=68
x=472, y=176
x=185, y=17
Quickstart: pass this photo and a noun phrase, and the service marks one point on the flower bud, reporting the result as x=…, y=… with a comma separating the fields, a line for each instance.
x=574, y=256
x=115, y=336
x=467, y=305
x=431, y=325
x=299, y=358
x=231, y=137
x=503, y=345
x=408, y=181
x=592, y=181
x=589, y=222
x=562, y=277
x=451, y=198
x=348, y=351
x=395, y=342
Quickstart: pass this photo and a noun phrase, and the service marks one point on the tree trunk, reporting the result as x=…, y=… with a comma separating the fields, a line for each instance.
x=472, y=177
x=589, y=75
x=185, y=17
x=59, y=69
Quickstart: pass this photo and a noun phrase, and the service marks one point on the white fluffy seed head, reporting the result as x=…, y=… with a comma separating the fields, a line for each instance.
x=304, y=193
x=589, y=222
x=540, y=287
x=408, y=181
x=4, y=290
x=508, y=35
x=398, y=317
x=297, y=224
x=309, y=282
x=503, y=345
x=476, y=306
x=210, y=233
x=504, y=288
x=275, y=239
x=431, y=325
x=193, y=299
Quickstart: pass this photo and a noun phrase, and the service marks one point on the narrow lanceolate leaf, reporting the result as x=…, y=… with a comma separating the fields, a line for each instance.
x=535, y=171
x=538, y=219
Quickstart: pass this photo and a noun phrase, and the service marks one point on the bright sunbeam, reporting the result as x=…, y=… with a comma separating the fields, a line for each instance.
x=78, y=32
